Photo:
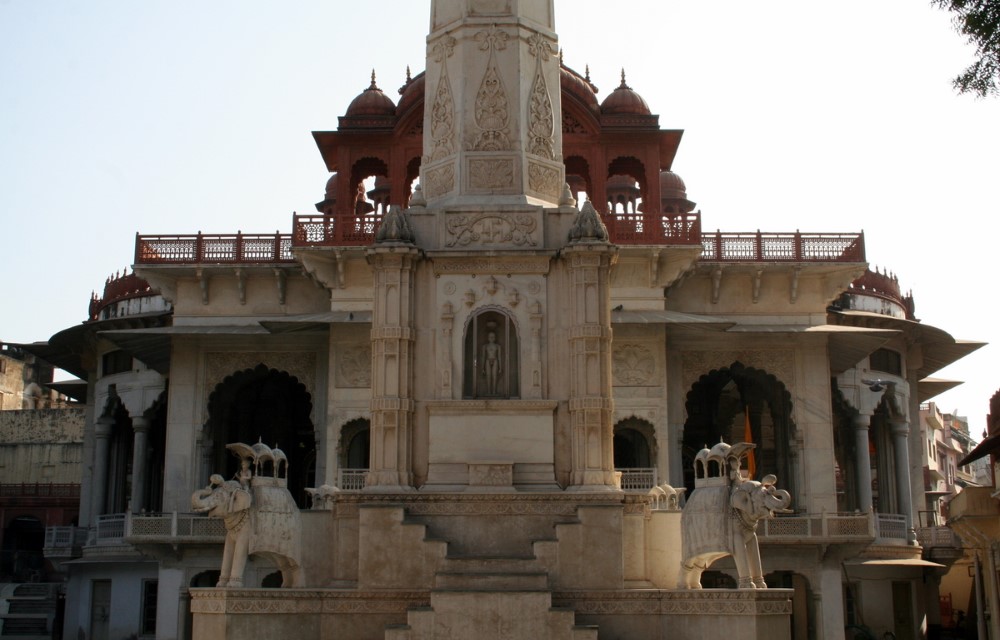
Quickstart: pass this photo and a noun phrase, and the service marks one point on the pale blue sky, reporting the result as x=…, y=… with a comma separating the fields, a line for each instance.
x=173, y=116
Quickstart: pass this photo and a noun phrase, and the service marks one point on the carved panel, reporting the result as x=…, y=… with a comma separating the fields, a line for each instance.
x=491, y=173
x=780, y=363
x=489, y=228
x=544, y=179
x=439, y=181
x=571, y=125
x=492, y=108
x=354, y=366
x=491, y=475
x=540, y=114
x=442, y=115
x=633, y=364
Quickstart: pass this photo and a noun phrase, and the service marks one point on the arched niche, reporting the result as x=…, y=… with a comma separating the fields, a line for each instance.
x=634, y=444
x=491, y=359
x=355, y=444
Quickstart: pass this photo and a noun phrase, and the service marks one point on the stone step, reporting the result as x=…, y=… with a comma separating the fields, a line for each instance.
x=491, y=564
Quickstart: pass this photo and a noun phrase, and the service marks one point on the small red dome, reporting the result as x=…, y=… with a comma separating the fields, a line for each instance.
x=624, y=100
x=578, y=86
x=331, y=187
x=671, y=185
x=410, y=93
x=371, y=102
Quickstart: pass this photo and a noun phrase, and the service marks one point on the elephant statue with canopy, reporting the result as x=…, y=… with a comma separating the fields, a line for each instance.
x=260, y=515
x=721, y=516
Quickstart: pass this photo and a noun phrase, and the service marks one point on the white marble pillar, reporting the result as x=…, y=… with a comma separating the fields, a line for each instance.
x=591, y=406
x=102, y=440
x=863, y=463
x=900, y=431
x=140, y=450
x=392, y=339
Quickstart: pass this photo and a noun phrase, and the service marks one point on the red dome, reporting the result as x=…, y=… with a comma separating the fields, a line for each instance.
x=671, y=185
x=331, y=187
x=624, y=100
x=371, y=102
x=410, y=93
x=578, y=86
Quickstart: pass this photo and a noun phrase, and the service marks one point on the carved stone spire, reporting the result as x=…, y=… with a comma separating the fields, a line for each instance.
x=492, y=126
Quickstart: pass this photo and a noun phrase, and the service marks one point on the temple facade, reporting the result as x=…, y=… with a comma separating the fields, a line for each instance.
x=499, y=337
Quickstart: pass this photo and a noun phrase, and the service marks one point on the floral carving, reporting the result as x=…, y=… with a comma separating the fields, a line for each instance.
x=540, y=116
x=491, y=173
x=439, y=181
x=492, y=110
x=543, y=179
x=443, y=109
x=633, y=364
x=354, y=366
x=517, y=230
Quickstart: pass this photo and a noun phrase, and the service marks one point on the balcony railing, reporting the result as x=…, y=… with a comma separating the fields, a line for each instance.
x=64, y=542
x=199, y=248
x=654, y=228
x=783, y=247
x=174, y=527
x=40, y=490
x=891, y=527
x=637, y=479
x=110, y=529
x=352, y=479
x=938, y=537
x=823, y=526
x=338, y=230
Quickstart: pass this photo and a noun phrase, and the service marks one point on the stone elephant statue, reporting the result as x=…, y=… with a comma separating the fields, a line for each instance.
x=722, y=520
x=261, y=518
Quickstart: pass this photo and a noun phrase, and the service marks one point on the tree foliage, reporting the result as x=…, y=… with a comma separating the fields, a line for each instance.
x=979, y=22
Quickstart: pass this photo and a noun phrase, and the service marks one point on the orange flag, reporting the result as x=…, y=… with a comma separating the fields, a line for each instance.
x=748, y=437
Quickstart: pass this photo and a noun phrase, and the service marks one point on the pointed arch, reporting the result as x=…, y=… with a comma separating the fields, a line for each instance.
x=269, y=406
x=717, y=408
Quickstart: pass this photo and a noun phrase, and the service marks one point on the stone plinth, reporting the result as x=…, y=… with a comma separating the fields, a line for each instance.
x=321, y=614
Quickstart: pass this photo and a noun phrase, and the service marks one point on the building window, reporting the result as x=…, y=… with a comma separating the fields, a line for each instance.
x=147, y=617
x=888, y=361
x=115, y=362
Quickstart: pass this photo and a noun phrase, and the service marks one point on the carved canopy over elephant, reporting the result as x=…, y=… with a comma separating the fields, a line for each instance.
x=260, y=515
x=721, y=516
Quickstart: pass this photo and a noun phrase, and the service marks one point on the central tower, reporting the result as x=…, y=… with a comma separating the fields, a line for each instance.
x=492, y=124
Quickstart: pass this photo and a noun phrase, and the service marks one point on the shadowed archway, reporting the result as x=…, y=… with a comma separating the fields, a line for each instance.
x=717, y=407
x=270, y=406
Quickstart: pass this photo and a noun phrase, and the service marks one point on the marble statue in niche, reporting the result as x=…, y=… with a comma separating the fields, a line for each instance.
x=491, y=358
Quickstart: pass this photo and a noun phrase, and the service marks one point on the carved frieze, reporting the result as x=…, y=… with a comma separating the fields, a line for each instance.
x=492, y=107
x=354, y=366
x=493, y=265
x=571, y=125
x=719, y=602
x=492, y=229
x=633, y=364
